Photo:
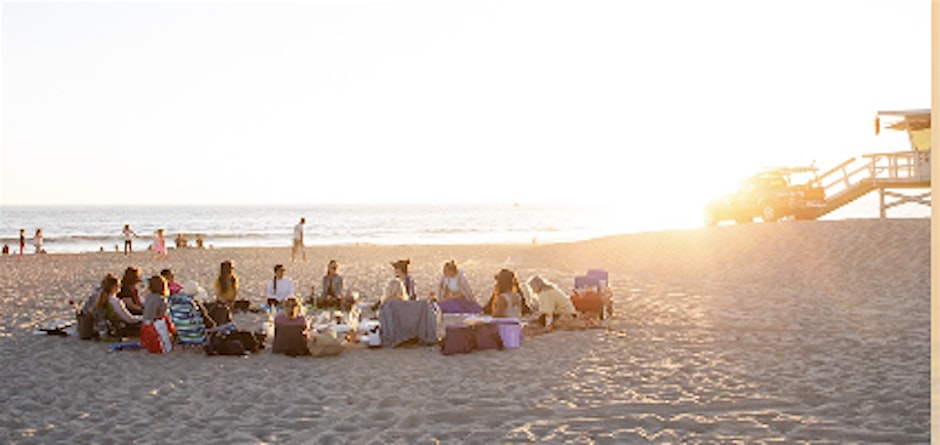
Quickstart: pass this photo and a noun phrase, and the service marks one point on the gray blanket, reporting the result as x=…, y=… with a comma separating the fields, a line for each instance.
x=403, y=320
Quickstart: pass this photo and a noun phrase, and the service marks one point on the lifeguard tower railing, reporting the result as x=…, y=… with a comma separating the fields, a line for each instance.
x=883, y=172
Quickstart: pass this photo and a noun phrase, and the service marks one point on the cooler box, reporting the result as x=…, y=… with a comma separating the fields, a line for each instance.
x=510, y=331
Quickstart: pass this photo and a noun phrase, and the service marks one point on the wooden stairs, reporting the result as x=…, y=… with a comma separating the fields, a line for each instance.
x=884, y=172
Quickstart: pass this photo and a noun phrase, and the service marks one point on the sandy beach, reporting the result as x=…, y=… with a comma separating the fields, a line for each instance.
x=798, y=332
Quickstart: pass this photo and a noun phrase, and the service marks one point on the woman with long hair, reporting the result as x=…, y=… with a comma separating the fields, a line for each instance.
x=113, y=310
x=507, y=298
x=128, y=293
x=280, y=287
x=226, y=285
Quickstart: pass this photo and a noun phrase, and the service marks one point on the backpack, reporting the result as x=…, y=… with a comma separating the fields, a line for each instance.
x=219, y=313
x=86, y=325
x=219, y=343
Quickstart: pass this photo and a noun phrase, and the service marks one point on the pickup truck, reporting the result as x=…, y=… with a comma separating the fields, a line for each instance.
x=772, y=195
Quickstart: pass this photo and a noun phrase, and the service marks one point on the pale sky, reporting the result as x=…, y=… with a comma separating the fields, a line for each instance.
x=444, y=101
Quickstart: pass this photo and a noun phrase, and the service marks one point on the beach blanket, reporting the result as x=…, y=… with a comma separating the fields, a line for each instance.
x=459, y=306
x=404, y=320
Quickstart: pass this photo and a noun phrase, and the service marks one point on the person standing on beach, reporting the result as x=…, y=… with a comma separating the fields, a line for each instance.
x=128, y=235
x=159, y=243
x=299, y=241
x=37, y=241
x=22, y=241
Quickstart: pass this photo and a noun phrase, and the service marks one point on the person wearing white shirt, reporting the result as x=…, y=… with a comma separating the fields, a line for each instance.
x=280, y=287
x=299, y=241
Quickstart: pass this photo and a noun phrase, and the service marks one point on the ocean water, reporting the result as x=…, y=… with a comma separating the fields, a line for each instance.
x=72, y=229
x=88, y=229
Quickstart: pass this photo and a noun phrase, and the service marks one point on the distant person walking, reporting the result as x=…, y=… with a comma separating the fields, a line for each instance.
x=128, y=236
x=22, y=241
x=37, y=241
x=299, y=241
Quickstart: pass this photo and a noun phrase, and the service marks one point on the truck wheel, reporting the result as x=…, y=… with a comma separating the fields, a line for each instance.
x=769, y=213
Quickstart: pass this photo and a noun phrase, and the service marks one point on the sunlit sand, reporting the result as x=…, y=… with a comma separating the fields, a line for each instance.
x=789, y=332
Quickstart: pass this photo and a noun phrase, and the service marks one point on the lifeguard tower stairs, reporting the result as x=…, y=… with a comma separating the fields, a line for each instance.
x=884, y=172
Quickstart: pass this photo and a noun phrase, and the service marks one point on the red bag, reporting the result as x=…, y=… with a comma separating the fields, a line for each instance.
x=155, y=337
x=587, y=301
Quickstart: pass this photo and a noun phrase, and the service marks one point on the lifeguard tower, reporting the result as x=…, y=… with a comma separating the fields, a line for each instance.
x=885, y=172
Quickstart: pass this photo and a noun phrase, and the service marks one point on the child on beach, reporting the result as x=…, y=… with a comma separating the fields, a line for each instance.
x=128, y=235
x=37, y=241
x=171, y=283
x=159, y=243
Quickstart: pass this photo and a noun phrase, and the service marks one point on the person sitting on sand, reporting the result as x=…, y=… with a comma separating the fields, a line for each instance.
x=155, y=309
x=554, y=304
x=507, y=298
x=171, y=283
x=453, y=284
x=188, y=314
x=290, y=330
x=128, y=293
x=279, y=288
x=226, y=285
x=155, y=302
x=401, y=273
x=331, y=293
x=396, y=289
x=122, y=322
x=181, y=241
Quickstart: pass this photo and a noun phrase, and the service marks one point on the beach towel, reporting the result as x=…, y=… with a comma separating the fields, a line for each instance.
x=404, y=320
x=187, y=318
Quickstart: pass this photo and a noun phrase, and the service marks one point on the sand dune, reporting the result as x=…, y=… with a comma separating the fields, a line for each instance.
x=791, y=332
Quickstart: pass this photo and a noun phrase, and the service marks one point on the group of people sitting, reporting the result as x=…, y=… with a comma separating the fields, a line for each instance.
x=119, y=311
